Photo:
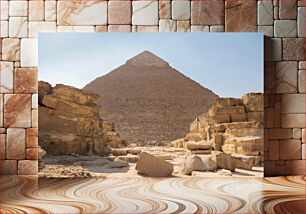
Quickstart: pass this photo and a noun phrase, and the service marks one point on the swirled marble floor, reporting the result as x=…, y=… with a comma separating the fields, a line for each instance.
x=25, y=194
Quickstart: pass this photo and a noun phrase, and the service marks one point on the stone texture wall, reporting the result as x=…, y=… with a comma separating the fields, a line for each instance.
x=282, y=21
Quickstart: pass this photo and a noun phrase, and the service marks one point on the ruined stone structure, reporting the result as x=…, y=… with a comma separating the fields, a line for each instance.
x=231, y=125
x=70, y=122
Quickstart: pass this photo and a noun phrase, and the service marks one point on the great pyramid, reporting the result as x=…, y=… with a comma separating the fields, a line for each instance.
x=148, y=100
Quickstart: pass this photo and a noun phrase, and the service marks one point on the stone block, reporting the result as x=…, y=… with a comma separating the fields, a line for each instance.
x=70, y=29
x=238, y=117
x=164, y=9
x=27, y=167
x=29, y=53
x=265, y=12
x=11, y=49
x=17, y=110
x=6, y=77
x=295, y=167
x=8, y=167
x=167, y=25
x=199, y=28
x=50, y=10
x=147, y=28
x=223, y=160
x=101, y=28
x=287, y=9
x=240, y=16
x=285, y=28
x=290, y=149
x=2, y=146
x=4, y=32
x=88, y=12
x=273, y=149
x=266, y=30
x=145, y=13
x=301, y=81
x=303, y=151
x=183, y=26
x=302, y=65
x=26, y=80
x=216, y=28
x=32, y=154
x=32, y=138
x=180, y=10
x=301, y=21
x=36, y=10
x=119, y=28
x=303, y=135
x=34, y=101
x=255, y=116
x=15, y=144
x=297, y=133
x=293, y=103
x=34, y=118
x=277, y=117
x=1, y=110
x=119, y=12
x=280, y=133
x=38, y=26
x=293, y=120
x=273, y=49
x=18, y=27
x=293, y=49
x=4, y=10
x=286, y=77
x=18, y=8
x=207, y=12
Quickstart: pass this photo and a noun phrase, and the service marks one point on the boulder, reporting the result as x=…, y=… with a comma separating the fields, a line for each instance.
x=152, y=166
x=200, y=145
x=223, y=160
x=245, y=162
x=196, y=163
x=179, y=143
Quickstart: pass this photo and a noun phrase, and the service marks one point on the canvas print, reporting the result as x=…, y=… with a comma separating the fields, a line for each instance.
x=152, y=105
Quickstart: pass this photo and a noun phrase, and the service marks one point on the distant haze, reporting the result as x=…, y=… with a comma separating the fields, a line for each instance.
x=229, y=64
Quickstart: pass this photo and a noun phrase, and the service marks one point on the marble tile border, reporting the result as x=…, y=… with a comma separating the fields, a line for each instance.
x=284, y=85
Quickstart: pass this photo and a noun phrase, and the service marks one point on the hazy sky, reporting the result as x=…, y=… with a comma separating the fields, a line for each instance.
x=230, y=64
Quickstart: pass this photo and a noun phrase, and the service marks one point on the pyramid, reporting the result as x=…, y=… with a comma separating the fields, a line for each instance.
x=148, y=100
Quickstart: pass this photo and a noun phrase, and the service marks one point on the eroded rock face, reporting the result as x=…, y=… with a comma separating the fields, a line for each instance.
x=232, y=125
x=70, y=122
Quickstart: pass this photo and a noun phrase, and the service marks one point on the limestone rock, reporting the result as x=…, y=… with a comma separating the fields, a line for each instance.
x=152, y=166
x=70, y=122
x=196, y=163
x=223, y=160
x=201, y=145
x=253, y=102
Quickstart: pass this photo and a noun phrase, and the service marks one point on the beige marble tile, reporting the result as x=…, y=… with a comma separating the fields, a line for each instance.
x=119, y=28
x=26, y=80
x=35, y=27
x=27, y=167
x=216, y=28
x=1, y=110
x=167, y=25
x=207, y=12
x=34, y=101
x=7, y=77
x=11, y=49
x=18, y=8
x=147, y=28
x=180, y=10
x=199, y=28
x=265, y=12
x=293, y=103
x=29, y=53
x=301, y=81
x=267, y=30
x=119, y=12
x=50, y=10
x=4, y=10
x=76, y=28
x=32, y=138
x=91, y=12
x=36, y=10
x=18, y=27
x=293, y=120
x=15, y=144
x=145, y=13
x=164, y=9
x=301, y=22
x=183, y=26
x=286, y=77
x=285, y=28
x=4, y=29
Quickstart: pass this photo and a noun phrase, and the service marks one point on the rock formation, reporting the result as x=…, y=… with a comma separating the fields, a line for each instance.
x=232, y=126
x=70, y=122
x=149, y=100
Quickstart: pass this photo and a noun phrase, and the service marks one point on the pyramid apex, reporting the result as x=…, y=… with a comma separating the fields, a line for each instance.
x=147, y=58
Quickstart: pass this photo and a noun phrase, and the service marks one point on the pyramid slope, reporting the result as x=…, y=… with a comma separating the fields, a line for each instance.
x=150, y=102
